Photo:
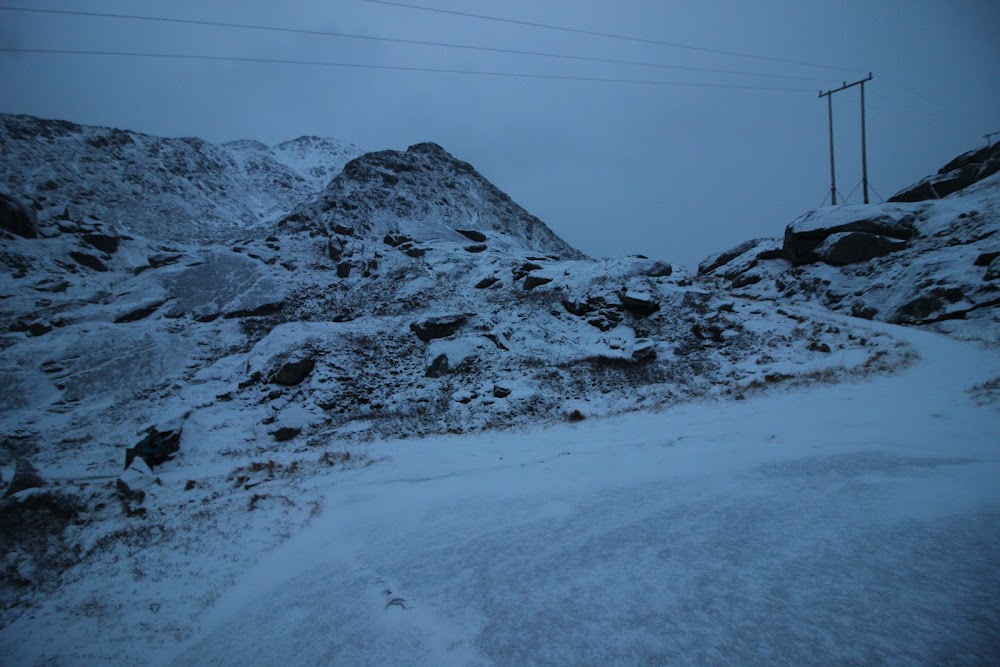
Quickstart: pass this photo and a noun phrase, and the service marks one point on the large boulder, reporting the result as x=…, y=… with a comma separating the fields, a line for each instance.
x=639, y=302
x=532, y=281
x=438, y=326
x=104, y=241
x=17, y=218
x=472, y=235
x=88, y=260
x=293, y=372
x=809, y=231
x=158, y=446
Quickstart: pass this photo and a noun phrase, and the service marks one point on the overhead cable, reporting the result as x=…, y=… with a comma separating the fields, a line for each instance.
x=397, y=40
x=596, y=33
x=400, y=68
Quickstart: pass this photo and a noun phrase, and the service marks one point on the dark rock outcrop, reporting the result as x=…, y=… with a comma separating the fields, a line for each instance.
x=958, y=174
x=88, y=260
x=852, y=247
x=804, y=235
x=285, y=433
x=26, y=476
x=17, y=218
x=472, y=235
x=532, y=281
x=293, y=372
x=438, y=326
x=639, y=304
x=157, y=447
x=438, y=367
x=103, y=241
x=487, y=282
x=993, y=270
x=984, y=259
x=715, y=261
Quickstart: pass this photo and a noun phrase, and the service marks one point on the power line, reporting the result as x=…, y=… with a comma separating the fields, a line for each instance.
x=399, y=68
x=595, y=33
x=397, y=40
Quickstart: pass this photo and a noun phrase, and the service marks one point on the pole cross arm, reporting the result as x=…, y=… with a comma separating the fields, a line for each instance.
x=846, y=86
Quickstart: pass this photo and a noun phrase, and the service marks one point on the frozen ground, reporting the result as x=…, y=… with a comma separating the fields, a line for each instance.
x=855, y=523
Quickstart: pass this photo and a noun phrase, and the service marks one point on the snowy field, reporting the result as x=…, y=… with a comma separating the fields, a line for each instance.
x=855, y=523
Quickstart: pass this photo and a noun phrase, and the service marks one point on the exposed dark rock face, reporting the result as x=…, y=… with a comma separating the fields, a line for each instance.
x=17, y=218
x=715, y=261
x=156, y=447
x=487, y=282
x=985, y=258
x=532, y=281
x=993, y=270
x=472, y=235
x=852, y=247
x=26, y=476
x=293, y=372
x=438, y=367
x=958, y=174
x=802, y=237
x=89, y=261
x=102, y=241
x=139, y=313
x=640, y=305
x=286, y=433
x=744, y=279
x=438, y=326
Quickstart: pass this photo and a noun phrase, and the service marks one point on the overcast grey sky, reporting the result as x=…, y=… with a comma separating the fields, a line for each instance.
x=668, y=171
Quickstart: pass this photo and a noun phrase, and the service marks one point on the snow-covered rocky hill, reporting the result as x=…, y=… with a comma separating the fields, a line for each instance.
x=164, y=189
x=231, y=323
x=927, y=257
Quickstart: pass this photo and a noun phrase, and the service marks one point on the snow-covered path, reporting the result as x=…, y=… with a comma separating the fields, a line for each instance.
x=856, y=523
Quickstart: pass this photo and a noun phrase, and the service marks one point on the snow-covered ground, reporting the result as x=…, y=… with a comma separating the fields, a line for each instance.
x=850, y=523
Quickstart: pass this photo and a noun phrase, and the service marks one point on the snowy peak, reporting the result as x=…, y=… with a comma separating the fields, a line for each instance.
x=426, y=194
x=183, y=189
x=315, y=159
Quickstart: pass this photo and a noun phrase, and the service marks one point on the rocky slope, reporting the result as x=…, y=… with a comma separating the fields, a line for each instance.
x=927, y=257
x=408, y=296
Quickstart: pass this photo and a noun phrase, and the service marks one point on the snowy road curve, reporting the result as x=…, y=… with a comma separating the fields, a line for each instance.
x=856, y=523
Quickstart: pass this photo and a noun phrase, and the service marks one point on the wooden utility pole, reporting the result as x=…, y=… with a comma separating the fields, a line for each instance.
x=864, y=145
x=988, y=135
x=833, y=171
